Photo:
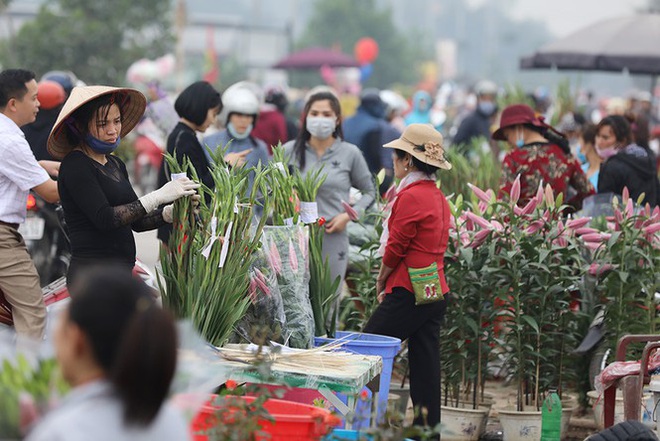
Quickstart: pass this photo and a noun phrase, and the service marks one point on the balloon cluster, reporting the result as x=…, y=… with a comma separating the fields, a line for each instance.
x=366, y=52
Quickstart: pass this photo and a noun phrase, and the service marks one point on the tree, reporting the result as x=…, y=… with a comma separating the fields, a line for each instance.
x=343, y=22
x=97, y=40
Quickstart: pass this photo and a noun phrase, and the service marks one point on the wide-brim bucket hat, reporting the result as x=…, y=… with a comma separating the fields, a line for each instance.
x=515, y=115
x=424, y=143
x=132, y=104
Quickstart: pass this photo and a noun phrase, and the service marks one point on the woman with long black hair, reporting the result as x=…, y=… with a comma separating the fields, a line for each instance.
x=118, y=350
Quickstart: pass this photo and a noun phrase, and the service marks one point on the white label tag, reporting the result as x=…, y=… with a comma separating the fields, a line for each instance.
x=280, y=167
x=206, y=252
x=176, y=176
x=309, y=212
x=236, y=205
x=225, y=245
x=288, y=222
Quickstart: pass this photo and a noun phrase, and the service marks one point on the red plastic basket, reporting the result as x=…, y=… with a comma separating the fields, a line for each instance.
x=292, y=421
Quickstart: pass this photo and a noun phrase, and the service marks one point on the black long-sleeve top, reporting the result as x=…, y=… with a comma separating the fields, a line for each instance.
x=101, y=209
x=181, y=143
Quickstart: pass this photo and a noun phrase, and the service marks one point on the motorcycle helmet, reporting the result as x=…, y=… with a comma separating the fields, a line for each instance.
x=485, y=87
x=66, y=79
x=278, y=98
x=50, y=94
x=394, y=102
x=239, y=100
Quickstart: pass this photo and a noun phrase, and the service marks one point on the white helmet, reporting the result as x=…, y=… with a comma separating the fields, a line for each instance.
x=394, y=101
x=238, y=100
x=485, y=87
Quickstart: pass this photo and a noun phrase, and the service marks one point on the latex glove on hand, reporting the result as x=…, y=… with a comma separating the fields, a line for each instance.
x=169, y=192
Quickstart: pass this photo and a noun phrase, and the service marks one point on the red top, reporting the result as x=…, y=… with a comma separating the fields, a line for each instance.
x=419, y=231
x=270, y=128
x=547, y=162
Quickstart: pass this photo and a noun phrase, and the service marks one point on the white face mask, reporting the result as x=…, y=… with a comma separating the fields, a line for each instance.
x=321, y=127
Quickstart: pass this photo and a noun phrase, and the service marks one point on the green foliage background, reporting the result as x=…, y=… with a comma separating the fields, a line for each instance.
x=97, y=40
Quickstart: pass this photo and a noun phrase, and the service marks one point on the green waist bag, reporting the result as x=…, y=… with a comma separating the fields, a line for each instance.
x=426, y=284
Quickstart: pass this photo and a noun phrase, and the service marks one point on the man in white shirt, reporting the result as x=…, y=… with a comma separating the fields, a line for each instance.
x=19, y=173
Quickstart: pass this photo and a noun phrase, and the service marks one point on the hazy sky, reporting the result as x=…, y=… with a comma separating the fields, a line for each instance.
x=566, y=16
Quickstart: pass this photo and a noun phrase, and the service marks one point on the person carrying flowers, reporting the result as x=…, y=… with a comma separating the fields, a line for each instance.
x=411, y=282
x=100, y=206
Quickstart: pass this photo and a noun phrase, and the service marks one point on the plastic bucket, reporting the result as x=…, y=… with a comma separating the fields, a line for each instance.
x=370, y=344
x=291, y=421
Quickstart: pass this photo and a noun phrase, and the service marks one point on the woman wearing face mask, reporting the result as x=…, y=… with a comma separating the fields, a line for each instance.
x=320, y=144
x=100, y=207
x=587, y=154
x=625, y=164
x=197, y=106
x=239, y=113
x=539, y=154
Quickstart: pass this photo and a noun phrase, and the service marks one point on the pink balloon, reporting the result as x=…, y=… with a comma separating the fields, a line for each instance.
x=328, y=74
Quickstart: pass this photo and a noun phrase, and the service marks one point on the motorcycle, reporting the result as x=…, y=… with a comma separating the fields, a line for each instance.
x=56, y=294
x=45, y=239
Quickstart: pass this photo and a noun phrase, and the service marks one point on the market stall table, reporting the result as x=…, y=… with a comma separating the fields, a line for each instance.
x=310, y=369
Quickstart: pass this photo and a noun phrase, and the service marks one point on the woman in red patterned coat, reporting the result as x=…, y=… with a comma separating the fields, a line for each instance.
x=411, y=283
x=540, y=154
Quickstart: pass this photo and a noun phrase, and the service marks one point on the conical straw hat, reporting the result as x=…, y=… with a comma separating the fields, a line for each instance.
x=132, y=104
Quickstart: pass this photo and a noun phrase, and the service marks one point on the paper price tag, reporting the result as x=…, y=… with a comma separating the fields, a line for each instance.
x=281, y=167
x=309, y=212
x=176, y=176
x=225, y=245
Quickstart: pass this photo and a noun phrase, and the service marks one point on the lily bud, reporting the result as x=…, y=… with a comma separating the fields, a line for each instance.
x=482, y=195
x=515, y=190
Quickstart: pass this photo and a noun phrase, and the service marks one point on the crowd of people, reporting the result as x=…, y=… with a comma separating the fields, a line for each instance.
x=84, y=126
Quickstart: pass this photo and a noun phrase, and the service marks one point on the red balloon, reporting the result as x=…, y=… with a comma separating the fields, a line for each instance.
x=366, y=50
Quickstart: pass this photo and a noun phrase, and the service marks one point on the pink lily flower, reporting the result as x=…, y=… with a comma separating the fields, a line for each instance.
x=482, y=206
x=605, y=236
x=275, y=259
x=534, y=227
x=549, y=196
x=498, y=226
x=517, y=210
x=483, y=223
x=625, y=195
x=530, y=207
x=586, y=230
x=593, y=246
x=482, y=195
x=580, y=222
x=293, y=257
x=539, y=194
x=479, y=238
x=352, y=214
x=560, y=241
x=629, y=208
x=618, y=216
x=252, y=291
x=515, y=190
x=261, y=281
x=592, y=237
x=652, y=229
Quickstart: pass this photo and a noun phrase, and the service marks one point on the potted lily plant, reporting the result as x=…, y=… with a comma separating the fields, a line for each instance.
x=532, y=266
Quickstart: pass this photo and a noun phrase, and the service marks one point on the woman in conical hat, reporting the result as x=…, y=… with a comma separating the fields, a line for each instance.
x=101, y=208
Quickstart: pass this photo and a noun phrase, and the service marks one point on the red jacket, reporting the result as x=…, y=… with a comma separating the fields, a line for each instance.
x=270, y=128
x=419, y=231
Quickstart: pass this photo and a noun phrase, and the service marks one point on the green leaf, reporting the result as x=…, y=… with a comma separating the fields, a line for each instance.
x=531, y=322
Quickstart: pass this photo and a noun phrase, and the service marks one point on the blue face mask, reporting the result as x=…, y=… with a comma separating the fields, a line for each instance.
x=234, y=134
x=486, y=107
x=102, y=147
x=581, y=157
x=520, y=137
